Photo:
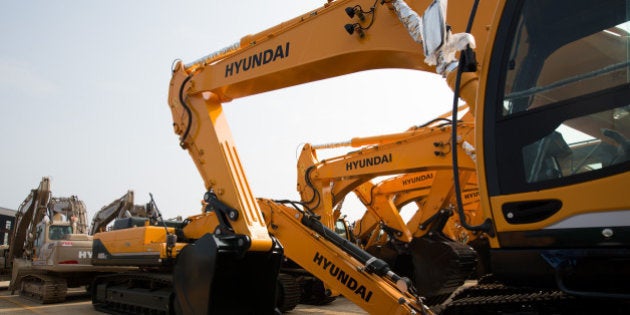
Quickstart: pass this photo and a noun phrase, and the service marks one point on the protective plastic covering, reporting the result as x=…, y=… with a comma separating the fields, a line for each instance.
x=210, y=57
x=409, y=18
x=440, y=55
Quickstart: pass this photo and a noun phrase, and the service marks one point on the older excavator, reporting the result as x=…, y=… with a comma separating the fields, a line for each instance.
x=549, y=93
x=50, y=249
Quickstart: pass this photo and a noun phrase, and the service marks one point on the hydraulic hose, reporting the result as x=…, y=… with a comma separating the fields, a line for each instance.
x=188, y=111
x=486, y=226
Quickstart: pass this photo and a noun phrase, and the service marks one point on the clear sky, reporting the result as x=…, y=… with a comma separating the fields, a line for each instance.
x=83, y=100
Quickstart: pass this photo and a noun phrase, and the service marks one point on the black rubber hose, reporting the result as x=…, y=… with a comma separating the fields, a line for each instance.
x=188, y=111
x=486, y=226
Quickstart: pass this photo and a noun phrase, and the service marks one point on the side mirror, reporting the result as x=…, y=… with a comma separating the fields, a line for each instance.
x=434, y=27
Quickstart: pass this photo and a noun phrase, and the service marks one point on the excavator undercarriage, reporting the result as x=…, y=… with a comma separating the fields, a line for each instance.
x=496, y=298
x=193, y=284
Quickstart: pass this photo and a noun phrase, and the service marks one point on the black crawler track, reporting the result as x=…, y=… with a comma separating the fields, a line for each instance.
x=500, y=299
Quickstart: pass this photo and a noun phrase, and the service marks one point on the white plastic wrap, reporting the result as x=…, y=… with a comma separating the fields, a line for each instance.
x=410, y=19
x=470, y=150
x=211, y=56
x=444, y=57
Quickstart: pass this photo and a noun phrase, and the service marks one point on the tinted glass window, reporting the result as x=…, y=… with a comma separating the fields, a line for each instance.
x=563, y=104
x=58, y=232
x=568, y=150
x=554, y=58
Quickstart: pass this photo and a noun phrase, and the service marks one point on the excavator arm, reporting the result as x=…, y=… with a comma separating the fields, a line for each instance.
x=366, y=280
x=322, y=184
x=30, y=212
x=385, y=200
x=436, y=264
x=380, y=199
x=108, y=213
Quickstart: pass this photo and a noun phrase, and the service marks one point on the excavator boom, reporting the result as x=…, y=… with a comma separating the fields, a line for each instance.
x=119, y=208
x=30, y=212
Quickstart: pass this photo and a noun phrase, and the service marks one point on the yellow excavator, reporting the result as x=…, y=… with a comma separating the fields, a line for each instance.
x=387, y=198
x=125, y=209
x=547, y=84
x=436, y=264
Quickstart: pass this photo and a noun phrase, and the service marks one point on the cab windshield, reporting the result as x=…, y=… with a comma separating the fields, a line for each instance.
x=57, y=232
x=566, y=74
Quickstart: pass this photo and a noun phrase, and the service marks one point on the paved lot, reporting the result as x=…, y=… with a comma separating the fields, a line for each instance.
x=78, y=302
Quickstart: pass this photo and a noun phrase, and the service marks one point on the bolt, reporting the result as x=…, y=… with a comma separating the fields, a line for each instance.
x=607, y=233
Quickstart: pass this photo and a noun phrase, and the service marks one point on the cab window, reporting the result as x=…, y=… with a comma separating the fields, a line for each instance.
x=58, y=232
x=569, y=151
x=564, y=110
x=552, y=59
x=340, y=229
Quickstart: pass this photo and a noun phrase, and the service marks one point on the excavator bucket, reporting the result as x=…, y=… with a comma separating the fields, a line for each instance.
x=440, y=265
x=218, y=275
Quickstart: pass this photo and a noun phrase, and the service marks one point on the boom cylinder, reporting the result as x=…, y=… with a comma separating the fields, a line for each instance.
x=372, y=264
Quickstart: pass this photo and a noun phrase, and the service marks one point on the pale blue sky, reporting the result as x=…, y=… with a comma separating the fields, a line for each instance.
x=83, y=99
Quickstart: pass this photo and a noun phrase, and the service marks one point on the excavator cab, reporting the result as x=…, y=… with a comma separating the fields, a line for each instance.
x=556, y=130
